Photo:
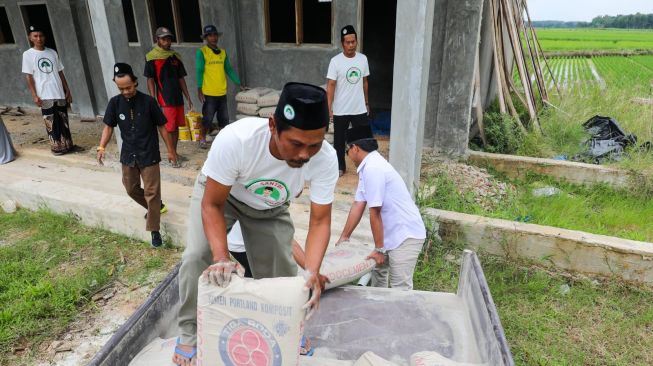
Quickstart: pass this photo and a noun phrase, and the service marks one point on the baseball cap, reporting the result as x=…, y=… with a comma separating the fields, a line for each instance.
x=210, y=29
x=163, y=32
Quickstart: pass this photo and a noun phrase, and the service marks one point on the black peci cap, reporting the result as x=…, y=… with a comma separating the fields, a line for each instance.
x=122, y=68
x=358, y=133
x=348, y=29
x=303, y=106
x=34, y=28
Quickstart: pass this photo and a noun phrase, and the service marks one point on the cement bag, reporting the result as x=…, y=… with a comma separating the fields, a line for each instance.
x=251, y=96
x=266, y=112
x=248, y=109
x=372, y=359
x=435, y=359
x=158, y=352
x=250, y=322
x=346, y=263
x=317, y=361
x=269, y=100
x=241, y=116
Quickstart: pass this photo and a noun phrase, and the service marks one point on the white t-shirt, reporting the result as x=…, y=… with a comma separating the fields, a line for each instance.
x=349, y=98
x=240, y=157
x=380, y=185
x=235, y=241
x=44, y=66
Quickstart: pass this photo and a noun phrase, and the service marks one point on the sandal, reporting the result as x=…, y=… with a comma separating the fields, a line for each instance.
x=204, y=144
x=305, y=348
x=187, y=355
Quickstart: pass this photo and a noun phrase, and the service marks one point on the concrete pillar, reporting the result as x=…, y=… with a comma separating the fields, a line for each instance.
x=462, y=27
x=410, y=86
x=100, y=24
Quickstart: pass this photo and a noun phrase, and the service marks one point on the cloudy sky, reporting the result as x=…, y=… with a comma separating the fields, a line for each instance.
x=585, y=10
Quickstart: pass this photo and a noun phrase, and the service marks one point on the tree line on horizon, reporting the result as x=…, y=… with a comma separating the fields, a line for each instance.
x=632, y=21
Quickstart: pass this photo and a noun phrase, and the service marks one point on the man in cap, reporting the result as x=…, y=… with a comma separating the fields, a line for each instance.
x=165, y=80
x=212, y=67
x=250, y=157
x=45, y=80
x=138, y=117
x=347, y=91
x=397, y=226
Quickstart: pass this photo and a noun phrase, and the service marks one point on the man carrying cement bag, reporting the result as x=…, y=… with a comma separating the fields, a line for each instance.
x=397, y=226
x=252, y=172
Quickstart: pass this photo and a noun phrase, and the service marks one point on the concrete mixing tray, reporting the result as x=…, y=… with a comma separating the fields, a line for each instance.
x=352, y=320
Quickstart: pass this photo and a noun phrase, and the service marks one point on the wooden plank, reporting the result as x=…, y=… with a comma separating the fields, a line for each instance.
x=299, y=18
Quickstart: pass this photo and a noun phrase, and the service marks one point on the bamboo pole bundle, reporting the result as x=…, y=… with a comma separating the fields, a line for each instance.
x=512, y=18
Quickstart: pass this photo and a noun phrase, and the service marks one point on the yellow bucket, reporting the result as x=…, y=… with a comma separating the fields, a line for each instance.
x=184, y=134
x=195, y=134
x=193, y=120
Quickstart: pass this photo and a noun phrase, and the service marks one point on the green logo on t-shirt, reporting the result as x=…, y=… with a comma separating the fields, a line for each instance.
x=45, y=65
x=353, y=75
x=271, y=191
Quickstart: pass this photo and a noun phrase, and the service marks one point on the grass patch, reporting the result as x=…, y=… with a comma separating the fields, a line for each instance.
x=597, y=209
x=595, y=323
x=51, y=265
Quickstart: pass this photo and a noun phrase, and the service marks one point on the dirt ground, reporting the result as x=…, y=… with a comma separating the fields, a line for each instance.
x=91, y=331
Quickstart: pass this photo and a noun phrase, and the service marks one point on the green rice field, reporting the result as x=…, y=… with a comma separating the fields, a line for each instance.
x=631, y=73
x=580, y=39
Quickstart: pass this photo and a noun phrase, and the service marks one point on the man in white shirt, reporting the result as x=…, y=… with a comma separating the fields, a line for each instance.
x=396, y=223
x=50, y=92
x=254, y=169
x=347, y=91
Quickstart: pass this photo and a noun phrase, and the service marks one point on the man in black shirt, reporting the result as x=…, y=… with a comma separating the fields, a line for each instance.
x=138, y=116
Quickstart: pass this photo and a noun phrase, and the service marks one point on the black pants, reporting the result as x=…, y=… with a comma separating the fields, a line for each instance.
x=215, y=106
x=241, y=257
x=340, y=126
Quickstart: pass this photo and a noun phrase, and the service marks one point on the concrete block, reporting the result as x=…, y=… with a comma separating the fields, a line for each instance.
x=570, y=250
x=580, y=173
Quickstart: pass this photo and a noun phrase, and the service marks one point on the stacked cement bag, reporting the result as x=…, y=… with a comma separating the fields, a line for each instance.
x=247, y=100
x=250, y=322
x=268, y=103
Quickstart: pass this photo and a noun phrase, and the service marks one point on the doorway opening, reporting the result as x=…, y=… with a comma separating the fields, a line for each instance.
x=38, y=15
x=379, y=23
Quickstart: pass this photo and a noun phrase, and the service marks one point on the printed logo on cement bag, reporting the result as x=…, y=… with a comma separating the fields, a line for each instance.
x=247, y=342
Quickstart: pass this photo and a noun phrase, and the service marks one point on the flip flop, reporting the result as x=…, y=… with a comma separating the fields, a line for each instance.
x=188, y=355
x=305, y=348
